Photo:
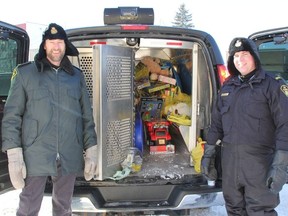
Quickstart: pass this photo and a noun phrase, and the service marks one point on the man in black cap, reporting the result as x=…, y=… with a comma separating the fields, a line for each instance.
x=251, y=120
x=47, y=125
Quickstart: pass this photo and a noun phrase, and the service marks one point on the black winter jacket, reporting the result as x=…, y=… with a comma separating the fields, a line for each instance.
x=253, y=113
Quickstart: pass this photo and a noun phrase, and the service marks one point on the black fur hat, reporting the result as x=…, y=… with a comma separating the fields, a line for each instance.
x=242, y=44
x=55, y=31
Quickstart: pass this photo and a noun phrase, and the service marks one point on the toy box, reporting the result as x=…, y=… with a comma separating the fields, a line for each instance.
x=151, y=108
x=158, y=87
x=164, y=149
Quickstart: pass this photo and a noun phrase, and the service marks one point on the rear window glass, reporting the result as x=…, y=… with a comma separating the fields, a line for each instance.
x=274, y=58
x=8, y=61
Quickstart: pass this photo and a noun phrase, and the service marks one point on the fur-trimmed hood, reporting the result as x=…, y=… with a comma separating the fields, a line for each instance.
x=55, y=31
x=242, y=44
x=43, y=63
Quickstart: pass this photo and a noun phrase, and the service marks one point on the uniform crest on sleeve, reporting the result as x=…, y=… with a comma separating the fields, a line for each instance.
x=284, y=89
x=14, y=73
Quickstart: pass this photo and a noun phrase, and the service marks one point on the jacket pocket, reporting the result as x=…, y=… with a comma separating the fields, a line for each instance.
x=79, y=131
x=256, y=105
x=29, y=131
x=72, y=100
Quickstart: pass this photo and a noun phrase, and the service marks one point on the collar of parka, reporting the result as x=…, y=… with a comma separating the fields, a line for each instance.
x=43, y=63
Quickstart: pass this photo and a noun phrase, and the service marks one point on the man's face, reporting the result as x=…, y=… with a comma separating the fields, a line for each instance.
x=55, y=50
x=244, y=62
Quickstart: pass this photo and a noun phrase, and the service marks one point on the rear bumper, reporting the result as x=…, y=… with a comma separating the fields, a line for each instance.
x=151, y=198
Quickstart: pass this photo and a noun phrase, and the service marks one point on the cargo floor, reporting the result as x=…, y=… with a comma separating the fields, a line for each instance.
x=167, y=166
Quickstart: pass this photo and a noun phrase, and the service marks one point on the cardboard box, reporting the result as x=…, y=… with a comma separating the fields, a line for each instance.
x=151, y=108
x=166, y=79
x=158, y=88
x=144, y=85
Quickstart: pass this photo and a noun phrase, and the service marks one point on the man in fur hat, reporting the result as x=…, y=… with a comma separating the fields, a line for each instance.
x=251, y=120
x=47, y=125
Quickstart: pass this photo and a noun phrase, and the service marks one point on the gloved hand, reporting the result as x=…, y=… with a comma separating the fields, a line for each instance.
x=277, y=175
x=208, y=162
x=16, y=167
x=90, y=162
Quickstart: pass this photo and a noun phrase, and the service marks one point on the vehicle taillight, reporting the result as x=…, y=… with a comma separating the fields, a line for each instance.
x=223, y=73
x=97, y=42
x=134, y=27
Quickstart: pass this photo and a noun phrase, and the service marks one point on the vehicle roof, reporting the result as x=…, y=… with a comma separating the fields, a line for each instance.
x=268, y=33
x=12, y=28
x=147, y=31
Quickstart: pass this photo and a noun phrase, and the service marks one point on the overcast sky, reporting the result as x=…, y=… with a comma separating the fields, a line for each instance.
x=223, y=19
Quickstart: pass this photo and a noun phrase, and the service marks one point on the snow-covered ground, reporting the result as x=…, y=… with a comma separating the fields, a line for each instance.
x=9, y=203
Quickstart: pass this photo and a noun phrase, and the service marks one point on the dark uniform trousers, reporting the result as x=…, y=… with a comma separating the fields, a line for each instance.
x=32, y=194
x=244, y=186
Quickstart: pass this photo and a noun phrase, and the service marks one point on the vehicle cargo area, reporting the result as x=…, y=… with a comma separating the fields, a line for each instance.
x=143, y=106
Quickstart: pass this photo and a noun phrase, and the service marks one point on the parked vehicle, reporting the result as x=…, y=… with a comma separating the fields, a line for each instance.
x=112, y=57
x=14, y=49
x=273, y=50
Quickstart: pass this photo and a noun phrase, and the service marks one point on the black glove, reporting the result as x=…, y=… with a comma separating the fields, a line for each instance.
x=277, y=175
x=208, y=162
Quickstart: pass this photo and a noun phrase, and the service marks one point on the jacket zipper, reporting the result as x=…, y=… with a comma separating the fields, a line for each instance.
x=57, y=114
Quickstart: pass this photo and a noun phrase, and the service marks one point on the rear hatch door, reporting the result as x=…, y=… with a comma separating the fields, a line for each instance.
x=14, y=50
x=273, y=50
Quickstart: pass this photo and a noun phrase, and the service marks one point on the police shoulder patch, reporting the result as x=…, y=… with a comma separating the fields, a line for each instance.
x=14, y=73
x=284, y=89
x=224, y=94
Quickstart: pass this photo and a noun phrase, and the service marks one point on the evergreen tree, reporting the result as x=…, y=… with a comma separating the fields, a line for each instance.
x=183, y=18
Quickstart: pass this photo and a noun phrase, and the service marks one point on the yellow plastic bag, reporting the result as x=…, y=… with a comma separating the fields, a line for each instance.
x=176, y=96
x=197, y=154
x=182, y=97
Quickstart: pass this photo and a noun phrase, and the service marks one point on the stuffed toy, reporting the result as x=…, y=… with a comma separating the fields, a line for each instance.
x=153, y=65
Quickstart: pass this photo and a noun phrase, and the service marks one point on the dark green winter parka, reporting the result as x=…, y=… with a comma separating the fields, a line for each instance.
x=48, y=113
